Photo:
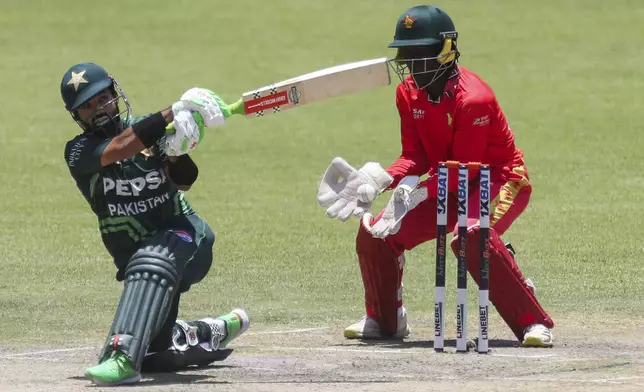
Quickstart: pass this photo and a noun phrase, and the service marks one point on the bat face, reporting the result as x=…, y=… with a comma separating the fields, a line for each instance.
x=317, y=86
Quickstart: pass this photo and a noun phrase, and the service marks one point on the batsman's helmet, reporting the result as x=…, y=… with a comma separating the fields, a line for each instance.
x=84, y=81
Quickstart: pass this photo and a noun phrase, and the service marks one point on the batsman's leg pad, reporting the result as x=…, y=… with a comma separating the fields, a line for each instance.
x=509, y=292
x=151, y=282
x=163, y=338
x=382, y=271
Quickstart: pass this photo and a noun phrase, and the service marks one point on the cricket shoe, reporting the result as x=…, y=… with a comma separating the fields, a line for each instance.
x=224, y=329
x=537, y=335
x=368, y=328
x=115, y=370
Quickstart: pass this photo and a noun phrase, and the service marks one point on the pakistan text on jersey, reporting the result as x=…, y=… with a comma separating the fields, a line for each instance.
x=137, y=207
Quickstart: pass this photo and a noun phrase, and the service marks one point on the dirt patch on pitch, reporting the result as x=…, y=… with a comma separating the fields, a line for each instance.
x=321, y=360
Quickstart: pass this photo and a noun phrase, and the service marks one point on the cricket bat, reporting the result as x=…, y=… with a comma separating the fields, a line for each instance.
x=317, y=86
x=312, y=87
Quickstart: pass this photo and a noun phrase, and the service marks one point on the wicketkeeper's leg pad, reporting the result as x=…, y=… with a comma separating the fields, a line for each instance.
x=382, y=271
x=512, y=297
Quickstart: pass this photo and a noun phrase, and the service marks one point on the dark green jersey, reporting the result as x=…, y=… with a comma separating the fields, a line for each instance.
x=132, y=198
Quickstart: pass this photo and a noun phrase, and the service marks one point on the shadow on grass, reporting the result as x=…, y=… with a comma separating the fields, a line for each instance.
x=202, y=379
x=429, y=344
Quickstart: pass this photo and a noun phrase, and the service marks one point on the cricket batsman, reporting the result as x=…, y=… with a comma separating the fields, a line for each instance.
x=447, y=113
x=133, y=173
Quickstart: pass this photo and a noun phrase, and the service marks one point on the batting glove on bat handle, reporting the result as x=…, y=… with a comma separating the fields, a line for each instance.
x=234, y=108
x=227, y=110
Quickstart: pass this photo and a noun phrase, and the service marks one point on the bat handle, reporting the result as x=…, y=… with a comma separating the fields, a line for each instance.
x=234, y=108
x=237, y=107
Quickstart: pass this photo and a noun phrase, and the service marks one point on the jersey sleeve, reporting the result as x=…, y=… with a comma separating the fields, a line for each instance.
x=83, y=154
x=412, y=160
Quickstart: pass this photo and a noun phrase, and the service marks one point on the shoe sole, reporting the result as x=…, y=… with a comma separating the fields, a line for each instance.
x=130, y=380
x=535, y=342
x=356, y=335
x=353, y=335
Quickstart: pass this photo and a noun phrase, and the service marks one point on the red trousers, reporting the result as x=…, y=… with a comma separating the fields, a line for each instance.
x=382, y=262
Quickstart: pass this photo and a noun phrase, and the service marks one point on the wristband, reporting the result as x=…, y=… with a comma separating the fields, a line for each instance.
x=150, y=129
x=183, y=171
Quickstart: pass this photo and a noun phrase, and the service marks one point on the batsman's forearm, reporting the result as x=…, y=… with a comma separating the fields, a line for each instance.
x=168, y=115
x=137, y=138
x=122, y=146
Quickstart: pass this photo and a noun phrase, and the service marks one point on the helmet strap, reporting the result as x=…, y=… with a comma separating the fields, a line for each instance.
x=448, y=53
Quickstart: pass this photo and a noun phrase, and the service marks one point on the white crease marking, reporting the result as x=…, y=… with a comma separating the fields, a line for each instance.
x=619, y=380
x=64, y=350
x=285, y=331
x=34, y=353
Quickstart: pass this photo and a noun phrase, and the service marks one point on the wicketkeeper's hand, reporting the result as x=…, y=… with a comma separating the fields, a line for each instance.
x=404, y=199
x=345, y=191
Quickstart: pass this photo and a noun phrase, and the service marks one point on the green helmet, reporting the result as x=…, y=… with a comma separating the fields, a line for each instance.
x=84, y=81
x=426, y=42
x=422, y=25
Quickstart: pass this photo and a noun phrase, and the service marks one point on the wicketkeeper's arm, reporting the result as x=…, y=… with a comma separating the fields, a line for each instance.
x=413, y=158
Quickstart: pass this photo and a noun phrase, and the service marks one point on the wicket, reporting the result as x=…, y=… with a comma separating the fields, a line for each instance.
x=441, y=249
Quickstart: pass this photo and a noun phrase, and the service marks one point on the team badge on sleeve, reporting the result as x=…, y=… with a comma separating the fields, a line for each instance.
x=183, y=235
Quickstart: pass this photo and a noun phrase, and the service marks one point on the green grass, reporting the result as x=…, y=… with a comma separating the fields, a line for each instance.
x=567, y=73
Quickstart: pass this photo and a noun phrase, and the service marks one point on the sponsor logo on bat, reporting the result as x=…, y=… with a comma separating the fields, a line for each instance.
x=267, y=102
x=294, y=95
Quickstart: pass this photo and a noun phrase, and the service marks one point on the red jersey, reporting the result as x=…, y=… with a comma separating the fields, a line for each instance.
x=467, y=125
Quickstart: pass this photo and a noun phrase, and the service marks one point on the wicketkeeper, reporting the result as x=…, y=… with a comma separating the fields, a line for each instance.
x=133, y=172
x=446, y=113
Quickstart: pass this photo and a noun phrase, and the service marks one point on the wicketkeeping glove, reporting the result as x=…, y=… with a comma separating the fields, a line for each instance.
x=405, y=198
x=345, y=191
